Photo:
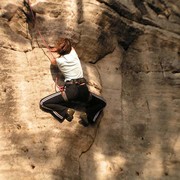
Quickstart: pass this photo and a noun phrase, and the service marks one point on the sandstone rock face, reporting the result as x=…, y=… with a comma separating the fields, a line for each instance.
x=130, y=54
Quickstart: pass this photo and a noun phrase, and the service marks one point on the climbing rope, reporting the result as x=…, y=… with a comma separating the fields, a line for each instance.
x=38, y=31
x=60, y=88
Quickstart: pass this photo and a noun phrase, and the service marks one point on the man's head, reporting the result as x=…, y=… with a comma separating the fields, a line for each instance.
x=63, y=46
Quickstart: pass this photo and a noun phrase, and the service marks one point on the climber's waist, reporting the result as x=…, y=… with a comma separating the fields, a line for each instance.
x=79, y=81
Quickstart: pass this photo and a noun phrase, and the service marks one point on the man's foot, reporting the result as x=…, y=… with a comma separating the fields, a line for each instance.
x=84, y=119
x=69, y=114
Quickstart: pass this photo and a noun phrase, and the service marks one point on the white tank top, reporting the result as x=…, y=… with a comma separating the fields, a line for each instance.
x=70, y=65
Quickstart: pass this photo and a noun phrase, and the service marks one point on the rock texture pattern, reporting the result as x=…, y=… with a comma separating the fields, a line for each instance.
x=130, y=53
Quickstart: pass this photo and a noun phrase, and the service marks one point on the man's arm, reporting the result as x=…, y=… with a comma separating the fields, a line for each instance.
x=53, y=50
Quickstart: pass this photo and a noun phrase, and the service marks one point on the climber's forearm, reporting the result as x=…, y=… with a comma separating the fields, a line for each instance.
x=53, y=61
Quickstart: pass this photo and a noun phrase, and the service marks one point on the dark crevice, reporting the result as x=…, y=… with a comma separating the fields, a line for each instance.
x=80, y=18
x=150, y=23
x=156, y=9
x=119, y=8
x=29, y=14
x=160, y=8
x=93, y=139
x=176, y=71
x=31, y=21
x=128, y=36
x=127, y=33
x=164, y=4
x=139, y=5
x=89, y=147
x=85, y=151
x=124, y=12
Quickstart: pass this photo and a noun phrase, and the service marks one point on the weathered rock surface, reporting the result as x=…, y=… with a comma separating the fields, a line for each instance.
x=130, y=53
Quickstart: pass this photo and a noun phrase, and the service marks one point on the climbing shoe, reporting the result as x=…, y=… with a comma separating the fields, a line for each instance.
x=84, y=119
x=69, y=114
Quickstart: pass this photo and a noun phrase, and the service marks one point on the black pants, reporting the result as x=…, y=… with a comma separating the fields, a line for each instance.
x=57, y=106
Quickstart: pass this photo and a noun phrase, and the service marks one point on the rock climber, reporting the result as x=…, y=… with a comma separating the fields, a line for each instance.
x=75, y=88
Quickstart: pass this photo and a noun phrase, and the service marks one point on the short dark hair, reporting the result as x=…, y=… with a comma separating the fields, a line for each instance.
x=63, y=46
